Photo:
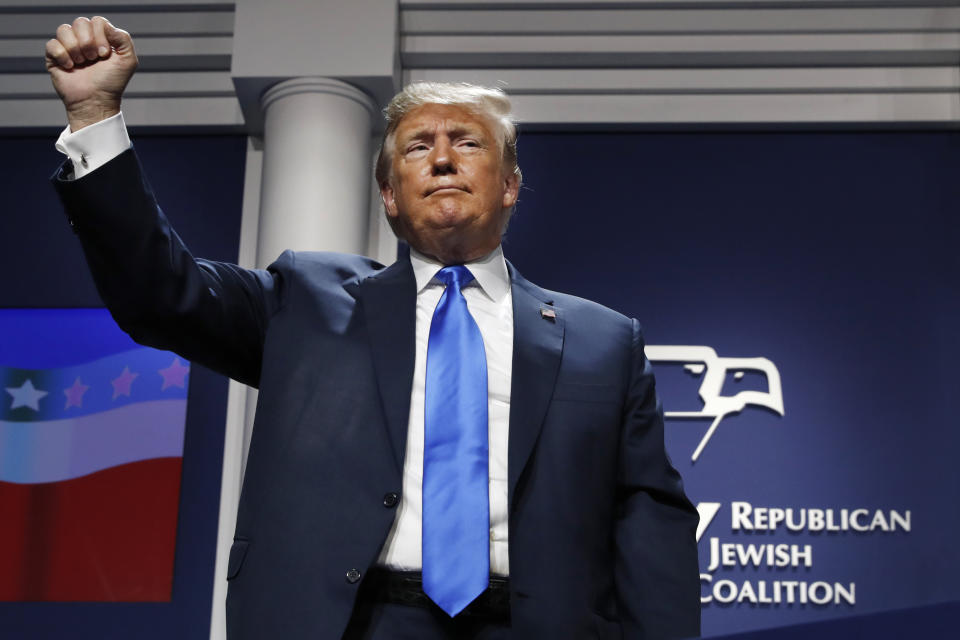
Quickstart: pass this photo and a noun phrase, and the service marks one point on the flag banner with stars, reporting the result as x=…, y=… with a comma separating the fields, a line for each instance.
x=91, y=446
x=138, y=375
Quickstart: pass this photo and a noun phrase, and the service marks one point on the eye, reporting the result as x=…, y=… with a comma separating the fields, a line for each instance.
x=417, y=147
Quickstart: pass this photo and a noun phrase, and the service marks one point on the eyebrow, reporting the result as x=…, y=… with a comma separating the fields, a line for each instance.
x=456, y=132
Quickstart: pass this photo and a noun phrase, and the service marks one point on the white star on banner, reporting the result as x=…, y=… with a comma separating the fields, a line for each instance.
x=26, y=396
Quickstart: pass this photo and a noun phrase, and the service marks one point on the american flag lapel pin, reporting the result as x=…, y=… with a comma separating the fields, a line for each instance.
x=548, y=314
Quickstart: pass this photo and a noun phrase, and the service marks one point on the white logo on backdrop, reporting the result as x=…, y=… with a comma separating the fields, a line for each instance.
x=705, y=361
x=707, y=511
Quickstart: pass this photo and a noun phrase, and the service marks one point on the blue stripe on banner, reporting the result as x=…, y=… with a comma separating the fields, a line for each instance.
x=56, y=450
x=53, y=338
x=137, y=375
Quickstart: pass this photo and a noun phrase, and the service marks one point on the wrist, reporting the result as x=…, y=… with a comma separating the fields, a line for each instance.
x=84, y=115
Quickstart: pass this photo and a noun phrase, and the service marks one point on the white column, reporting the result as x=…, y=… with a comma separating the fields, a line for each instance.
x=315, y=191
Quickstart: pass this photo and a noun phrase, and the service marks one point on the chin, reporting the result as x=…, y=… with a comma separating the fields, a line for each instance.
x=449, y=215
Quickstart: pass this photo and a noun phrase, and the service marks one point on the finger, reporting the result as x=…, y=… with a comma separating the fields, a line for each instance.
x=118, y=38
x=98, y=23
x=69, y=41
x=57, y=56
x=84, y=33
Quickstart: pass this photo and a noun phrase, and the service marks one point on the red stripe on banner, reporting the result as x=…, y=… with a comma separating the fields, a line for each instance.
x=109, y=536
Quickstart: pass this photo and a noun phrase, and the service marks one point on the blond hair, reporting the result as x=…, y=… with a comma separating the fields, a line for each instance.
x=488, y=102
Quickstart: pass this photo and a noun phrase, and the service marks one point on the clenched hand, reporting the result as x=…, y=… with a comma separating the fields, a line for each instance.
x=90, y=63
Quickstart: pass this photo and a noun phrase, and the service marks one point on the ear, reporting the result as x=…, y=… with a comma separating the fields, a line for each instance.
x=511, y=190
x=389, y=199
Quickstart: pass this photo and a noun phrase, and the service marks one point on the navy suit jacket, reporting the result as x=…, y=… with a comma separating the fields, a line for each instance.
x=601, y=535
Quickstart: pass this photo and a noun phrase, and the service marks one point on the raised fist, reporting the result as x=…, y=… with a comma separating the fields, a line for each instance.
x=90, y=63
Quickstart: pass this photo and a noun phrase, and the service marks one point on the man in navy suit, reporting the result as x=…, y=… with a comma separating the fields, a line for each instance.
x=590, y=534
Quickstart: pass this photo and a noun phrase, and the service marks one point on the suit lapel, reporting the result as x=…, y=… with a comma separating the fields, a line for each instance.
x=389, y=302
x=537, y=346
x=389, y=306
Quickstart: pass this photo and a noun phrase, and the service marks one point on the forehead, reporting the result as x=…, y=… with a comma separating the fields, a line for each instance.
x=430, y=118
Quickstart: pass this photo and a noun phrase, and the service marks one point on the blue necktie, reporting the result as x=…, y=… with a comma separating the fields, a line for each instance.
x=456, y=511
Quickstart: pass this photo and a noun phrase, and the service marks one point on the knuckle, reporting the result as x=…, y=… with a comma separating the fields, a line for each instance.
x=81, y=20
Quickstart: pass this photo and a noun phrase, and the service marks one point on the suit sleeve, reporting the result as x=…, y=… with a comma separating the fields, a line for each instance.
x=210, y=312
x=656, y=575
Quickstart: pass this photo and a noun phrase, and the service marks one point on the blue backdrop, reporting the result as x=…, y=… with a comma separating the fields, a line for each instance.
x=834, y=256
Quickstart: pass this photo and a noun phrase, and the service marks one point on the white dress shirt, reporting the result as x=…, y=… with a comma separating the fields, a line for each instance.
x=95, y=145
x=490, y=302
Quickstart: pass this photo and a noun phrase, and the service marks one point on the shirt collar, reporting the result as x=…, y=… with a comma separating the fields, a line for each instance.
x=489, y=272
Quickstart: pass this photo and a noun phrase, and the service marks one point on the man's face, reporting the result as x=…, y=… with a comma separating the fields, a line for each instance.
x=448, y=190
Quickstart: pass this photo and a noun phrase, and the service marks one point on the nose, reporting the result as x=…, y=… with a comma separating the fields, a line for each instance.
x=443, y=157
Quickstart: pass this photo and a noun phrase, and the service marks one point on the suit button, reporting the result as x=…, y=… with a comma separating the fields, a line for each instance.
x=353, y=575
x=390, y=500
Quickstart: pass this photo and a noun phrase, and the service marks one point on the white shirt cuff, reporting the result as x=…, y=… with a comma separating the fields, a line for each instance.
x=92, y=147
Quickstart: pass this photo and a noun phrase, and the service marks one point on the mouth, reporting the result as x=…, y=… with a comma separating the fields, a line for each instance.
x=447, y=188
